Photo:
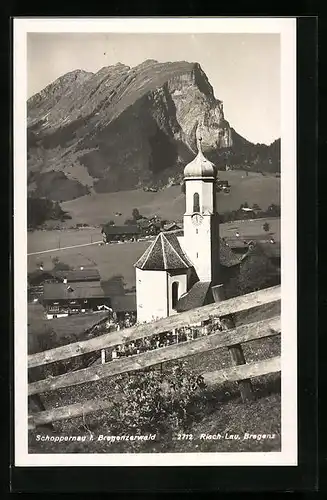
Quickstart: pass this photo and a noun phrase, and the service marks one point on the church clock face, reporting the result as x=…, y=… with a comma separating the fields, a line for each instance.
x=197, y=219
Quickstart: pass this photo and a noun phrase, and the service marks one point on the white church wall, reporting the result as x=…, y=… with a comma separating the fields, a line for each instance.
x=198, y=246
x=181, y=279
x=151, y=295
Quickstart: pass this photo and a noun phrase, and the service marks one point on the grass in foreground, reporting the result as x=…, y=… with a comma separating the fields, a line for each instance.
x=224, y=414
x=222, y=410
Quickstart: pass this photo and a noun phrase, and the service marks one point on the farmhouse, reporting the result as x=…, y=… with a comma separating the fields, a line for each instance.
x=269, y=246
x=149, y=227
x=78, y=275
x=175, y=273
x=223, y=185
x=63, y=299
x=120, y=233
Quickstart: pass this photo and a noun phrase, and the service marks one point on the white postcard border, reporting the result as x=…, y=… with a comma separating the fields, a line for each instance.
x=287, y=29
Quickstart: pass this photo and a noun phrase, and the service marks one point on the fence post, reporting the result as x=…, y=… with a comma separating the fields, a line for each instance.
x=36, y=403
x=103, y=356
x=236, y=351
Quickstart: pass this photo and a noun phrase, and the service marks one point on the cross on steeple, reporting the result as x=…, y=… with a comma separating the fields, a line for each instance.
x=199, y=142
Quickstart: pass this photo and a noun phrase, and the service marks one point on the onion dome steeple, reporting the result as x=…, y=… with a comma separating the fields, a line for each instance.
x=200, y=167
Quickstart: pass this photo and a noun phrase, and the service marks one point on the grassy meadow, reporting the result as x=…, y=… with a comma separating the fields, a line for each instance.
x=96, y=208
x=114, y=259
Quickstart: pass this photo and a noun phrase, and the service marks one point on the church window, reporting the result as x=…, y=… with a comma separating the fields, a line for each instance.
x=174, y=293
x=196, y=202
x=196, y=231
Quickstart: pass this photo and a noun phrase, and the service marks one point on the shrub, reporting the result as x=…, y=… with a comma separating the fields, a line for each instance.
x=136, y=214
x=256, y=272
x=60, y=266
x=156, y=402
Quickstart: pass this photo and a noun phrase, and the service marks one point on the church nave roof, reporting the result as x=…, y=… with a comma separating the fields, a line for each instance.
x=164, y=254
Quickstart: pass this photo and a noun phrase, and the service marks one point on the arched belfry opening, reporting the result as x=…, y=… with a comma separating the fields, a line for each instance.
x=196, y=202
x=174, y=294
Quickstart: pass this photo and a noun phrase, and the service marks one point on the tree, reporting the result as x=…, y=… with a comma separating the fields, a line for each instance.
x=136, y=214
x=256, y=206
x=60, y=266
x=266, y=227
x=255, y=273
x=39, y=210
x=111, y=223
x=274, y=210
x=57, y=212
x=55, y=261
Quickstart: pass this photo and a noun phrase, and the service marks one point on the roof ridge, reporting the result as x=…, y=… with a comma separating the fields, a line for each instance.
x=178, y=255
x=150, y=248
x=187, y=260
x=162, y=238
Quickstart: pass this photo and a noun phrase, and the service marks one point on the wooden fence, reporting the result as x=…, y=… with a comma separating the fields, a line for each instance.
x=229, y=338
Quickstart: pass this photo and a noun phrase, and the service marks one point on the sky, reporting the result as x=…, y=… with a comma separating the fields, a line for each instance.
x=243, y=69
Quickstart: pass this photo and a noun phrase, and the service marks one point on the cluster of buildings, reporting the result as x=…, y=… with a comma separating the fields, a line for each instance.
x=179, y=270
x=65, y=293
x=143, y=227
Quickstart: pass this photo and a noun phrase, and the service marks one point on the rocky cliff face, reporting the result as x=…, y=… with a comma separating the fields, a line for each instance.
x=121, y=128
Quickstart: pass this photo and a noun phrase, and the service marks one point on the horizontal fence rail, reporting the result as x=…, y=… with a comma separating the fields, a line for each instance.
x=240, y=372
x=233, y=373
x=194, y=316
x=230, y=338
x=244, y=333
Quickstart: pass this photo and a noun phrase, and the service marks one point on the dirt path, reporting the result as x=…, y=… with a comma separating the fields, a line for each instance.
x=66, y=248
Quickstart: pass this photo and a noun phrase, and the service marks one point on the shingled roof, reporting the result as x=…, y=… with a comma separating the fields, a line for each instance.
x=121, y=230
x=88, y=274
x=57, y=291
x=227, y=257
x=199, y=295
x=165, y=253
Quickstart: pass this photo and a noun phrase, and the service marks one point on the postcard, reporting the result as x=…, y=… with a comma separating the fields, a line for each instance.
x=155, y=241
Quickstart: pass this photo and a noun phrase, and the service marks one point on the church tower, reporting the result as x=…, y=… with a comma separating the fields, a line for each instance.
x=201, y=219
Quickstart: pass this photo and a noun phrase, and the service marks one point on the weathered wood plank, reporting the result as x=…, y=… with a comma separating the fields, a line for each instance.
x=66, y=412
x=239, y=372
x=240, y=334
x=235, y=351
x=194, y=316
x=212, y=378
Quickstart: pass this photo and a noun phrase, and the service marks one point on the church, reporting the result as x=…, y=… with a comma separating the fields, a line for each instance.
x=178, y=273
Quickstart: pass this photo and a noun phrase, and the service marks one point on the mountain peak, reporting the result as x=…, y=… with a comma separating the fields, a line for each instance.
x=122, y=127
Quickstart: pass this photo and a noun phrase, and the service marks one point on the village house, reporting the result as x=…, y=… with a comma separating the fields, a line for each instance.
x=64, y=299
x=149, y=227
x=223, y=186
x=120, y=233
x=38, y=278
x=77, y=275
x=171, y=226
x=271, y=248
